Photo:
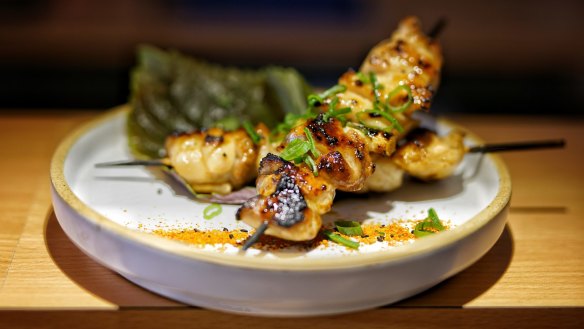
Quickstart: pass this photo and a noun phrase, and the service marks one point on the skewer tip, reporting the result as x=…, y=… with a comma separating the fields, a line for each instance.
x=437, y=28
x=256, y=236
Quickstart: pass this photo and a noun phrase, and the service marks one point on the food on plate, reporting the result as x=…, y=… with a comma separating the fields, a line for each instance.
x=214, y=161
x=428, y=156
x=331, y=147
x=353, y=137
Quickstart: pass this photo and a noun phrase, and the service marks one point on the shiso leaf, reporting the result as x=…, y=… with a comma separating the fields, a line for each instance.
x=172, y=92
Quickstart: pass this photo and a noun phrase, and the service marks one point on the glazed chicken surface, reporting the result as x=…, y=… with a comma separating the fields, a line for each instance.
x=428, y=156
x=293, y=195
x=213, y=160
x=353, y=132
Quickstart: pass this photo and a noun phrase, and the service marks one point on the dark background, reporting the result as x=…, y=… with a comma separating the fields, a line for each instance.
x=515, y=57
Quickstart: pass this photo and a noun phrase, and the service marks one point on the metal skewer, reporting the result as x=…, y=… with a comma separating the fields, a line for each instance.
x=157, y=162
x=517, y=146
x=255, y=237
x=437, y=28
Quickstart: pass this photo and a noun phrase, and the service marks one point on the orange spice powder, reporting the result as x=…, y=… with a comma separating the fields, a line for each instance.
x=391, y=234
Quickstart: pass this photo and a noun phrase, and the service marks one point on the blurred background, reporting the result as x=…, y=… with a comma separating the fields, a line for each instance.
x=516, y=57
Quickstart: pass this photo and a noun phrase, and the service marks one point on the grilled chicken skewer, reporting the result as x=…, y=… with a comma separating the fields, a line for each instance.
x=291, y=198
x=424, y=155
x=398, y=77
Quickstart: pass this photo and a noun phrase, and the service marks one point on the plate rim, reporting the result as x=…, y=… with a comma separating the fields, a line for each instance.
x=348, y=261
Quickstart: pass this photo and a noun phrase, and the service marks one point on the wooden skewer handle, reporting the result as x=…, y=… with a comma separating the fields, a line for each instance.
x=518, y=146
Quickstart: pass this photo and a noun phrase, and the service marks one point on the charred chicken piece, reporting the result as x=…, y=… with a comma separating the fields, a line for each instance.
x=290, y=199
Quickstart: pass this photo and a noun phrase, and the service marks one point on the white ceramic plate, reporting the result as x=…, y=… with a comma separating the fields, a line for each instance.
x=106, y=212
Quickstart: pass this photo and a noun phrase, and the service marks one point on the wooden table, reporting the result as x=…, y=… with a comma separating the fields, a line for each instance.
x=533, y=277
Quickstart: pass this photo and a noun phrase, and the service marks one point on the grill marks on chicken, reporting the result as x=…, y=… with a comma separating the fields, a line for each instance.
x=345, y=160
x=214, y=161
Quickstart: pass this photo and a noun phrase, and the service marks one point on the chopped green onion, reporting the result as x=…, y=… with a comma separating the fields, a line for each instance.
x=340, y=240
x=314, y=100
x=403, y=107
x=317, y=100
x=394, y=123
x=362, y=77
x=295, y=149
x=311, y=142
x=349, y=227
x=380, y=233
x=428, y=226
x=336, y=113
x=310, y=163
x=255, y=137
x=333, y=91
x=212, y=210
x=420, y=233
x=435, y=220
x=333, y=103
x=362, y=128
x=376, y=86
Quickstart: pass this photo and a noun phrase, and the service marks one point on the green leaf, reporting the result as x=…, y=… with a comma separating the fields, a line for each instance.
x=173, y=92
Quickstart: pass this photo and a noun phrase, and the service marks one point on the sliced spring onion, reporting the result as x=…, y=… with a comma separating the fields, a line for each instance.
x=295, y=149
x=362, y=77
x=349, y=227
x=255, y=137
x=340, y=240
x=429, y=225
x=435, y=220
x=333, y=90
x=394, y=123
x=364, y=130
x=376, y=86
x=338, y=114
x=316, y=100
x=391, y=119
x=212, y=210
x=310, y=163
x=404, y=106
x=310, y=139
x=333, y=103
x=420, y=233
